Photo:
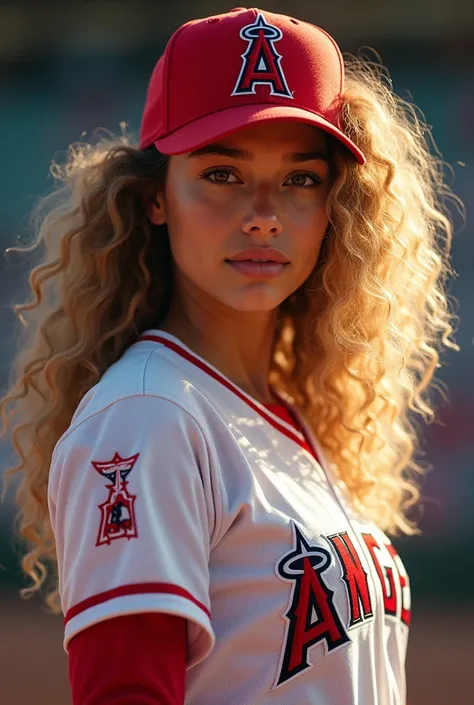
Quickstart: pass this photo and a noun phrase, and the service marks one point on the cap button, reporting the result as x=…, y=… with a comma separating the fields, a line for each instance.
x=238, y=9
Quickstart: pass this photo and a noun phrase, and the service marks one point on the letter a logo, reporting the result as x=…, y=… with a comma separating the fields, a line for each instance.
x=311, y=616
x=261, y=61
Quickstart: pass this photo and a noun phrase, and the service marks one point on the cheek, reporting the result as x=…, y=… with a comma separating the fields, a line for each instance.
x=195, y=211
x=312, y=215
x=197, y=227
x=310, y=223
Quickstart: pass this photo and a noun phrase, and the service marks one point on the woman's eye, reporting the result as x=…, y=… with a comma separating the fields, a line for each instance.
x=226, y=176
x=220, y=176
x=305, y=179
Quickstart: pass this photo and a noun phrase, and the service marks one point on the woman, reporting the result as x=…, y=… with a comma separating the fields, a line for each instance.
x=212, y=413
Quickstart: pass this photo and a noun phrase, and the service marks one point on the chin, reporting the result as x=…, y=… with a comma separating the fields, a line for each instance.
x=254, y=302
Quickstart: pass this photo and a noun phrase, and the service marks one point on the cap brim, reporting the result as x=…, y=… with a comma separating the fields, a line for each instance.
x=212, y=127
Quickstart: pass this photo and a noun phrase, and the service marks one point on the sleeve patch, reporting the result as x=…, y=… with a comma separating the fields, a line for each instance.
x=117, y=512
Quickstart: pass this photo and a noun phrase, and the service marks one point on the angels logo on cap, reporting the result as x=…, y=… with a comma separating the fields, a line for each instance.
x=269, y=67
x=261, y=61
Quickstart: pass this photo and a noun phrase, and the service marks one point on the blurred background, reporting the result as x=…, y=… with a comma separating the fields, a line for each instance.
x=67, y=69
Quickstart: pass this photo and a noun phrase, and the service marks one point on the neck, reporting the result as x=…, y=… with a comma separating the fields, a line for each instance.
x=239, y=345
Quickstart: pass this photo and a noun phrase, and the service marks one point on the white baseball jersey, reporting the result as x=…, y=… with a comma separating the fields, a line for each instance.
x=175, y=491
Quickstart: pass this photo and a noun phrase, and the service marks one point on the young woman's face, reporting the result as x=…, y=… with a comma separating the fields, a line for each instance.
x=265, y=186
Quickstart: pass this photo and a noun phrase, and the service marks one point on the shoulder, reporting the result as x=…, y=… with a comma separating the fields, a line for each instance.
x=148, y=385
x=138, y=412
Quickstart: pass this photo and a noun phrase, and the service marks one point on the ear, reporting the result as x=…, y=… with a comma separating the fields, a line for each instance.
x=156, y=211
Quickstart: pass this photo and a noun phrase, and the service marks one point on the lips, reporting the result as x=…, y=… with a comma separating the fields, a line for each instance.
x=260, y=255
x=260, y=270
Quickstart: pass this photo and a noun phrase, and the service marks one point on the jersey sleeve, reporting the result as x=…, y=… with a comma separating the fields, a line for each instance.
x=132, y=512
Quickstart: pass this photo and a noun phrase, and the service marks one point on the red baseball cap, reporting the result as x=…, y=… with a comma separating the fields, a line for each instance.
x=222, y=73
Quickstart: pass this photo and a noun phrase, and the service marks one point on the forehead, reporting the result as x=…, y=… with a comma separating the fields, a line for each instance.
x=276, y=135
x=289, y=141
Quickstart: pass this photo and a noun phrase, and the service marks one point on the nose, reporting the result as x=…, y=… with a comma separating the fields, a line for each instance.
x=262, y=218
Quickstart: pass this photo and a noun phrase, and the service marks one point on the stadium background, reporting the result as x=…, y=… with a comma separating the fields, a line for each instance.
x=68, y=69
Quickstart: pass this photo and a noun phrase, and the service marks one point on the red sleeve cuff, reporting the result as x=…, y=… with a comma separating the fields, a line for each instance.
x=139, y=658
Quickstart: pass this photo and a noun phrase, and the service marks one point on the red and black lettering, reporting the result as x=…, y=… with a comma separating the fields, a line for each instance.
x=355, y=578
x=390, y=594
x=388, y=575
x=304, y=566
x=405, y=612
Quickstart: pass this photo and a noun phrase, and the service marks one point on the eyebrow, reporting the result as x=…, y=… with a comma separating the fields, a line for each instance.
x=219, y=150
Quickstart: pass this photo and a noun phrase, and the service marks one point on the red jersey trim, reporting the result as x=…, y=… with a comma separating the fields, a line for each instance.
x=135, y=589
x=231, y=387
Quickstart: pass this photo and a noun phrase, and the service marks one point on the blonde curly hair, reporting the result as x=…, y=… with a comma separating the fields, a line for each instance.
x=356, y=346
